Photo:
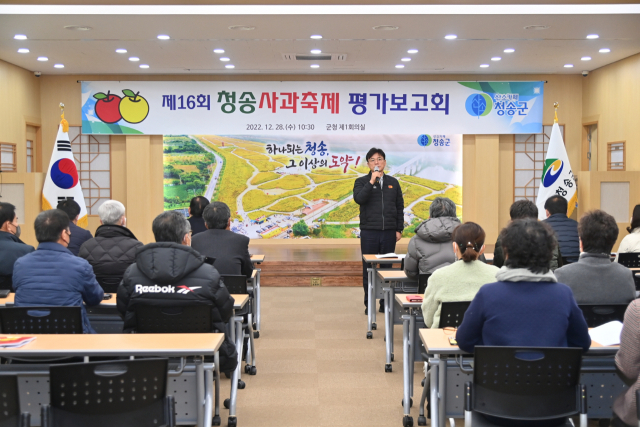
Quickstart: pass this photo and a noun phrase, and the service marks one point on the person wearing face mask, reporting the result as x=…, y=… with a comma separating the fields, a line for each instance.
x=113, y=249
x=52, y=275
x=170, y=273
x=11, y=247
x=80, y=235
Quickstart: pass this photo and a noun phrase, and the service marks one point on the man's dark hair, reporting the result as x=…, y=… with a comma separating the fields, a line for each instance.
x=170, y=226
x=70, y=207
x=197, y=206
x=7, y=213
x=635, y=219
x=217, y=215
x=50, y=224
x=598, y=232
x=528, y=243
x=373, y=151
x=556, y=204
x=523, y=209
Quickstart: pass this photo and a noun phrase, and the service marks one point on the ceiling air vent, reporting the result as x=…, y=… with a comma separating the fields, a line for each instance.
x=320, y=57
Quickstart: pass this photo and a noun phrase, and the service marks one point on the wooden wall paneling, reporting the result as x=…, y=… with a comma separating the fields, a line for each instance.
x=487, y=189
x=469, y=184
x=138, y=194
x=506, y=179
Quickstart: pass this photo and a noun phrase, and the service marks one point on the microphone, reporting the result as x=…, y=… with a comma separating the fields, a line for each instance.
x=377, y=169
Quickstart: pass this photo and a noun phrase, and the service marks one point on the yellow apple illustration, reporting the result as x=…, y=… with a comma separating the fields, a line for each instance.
x=133, y=108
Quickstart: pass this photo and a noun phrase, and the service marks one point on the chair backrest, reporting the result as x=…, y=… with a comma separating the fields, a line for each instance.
x=599, y=314
x=526, y=383
x=122, y=393
x=41, y=320
x=10, y=415
x=173, y=319
x=452, y=313
x=423, y=280
x=235, y=284
x=629, y=259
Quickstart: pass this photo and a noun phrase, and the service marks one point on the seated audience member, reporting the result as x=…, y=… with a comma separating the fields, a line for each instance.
x=523, y=209
x=170, y=273
x=594, y=279
x=461, y=280
x=113, y=249
x=628, y=364
x=11, y=247
x=80, y=235
x=196, y=208
x=526, y=306
x=52, y=275
x=431, y=247
x=631, y=242
x=566, y=229
x=230, y=250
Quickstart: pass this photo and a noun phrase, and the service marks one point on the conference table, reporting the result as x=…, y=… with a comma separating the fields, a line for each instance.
x=392, y=279
x=192, y=383
x=449, y=370
x=374, y=286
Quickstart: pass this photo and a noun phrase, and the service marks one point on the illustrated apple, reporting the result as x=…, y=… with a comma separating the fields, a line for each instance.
x=107, y=107
x=133, y=107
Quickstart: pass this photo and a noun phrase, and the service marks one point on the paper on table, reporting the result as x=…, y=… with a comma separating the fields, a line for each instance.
x=390, y=255
x=607, y=334
x=14, y=342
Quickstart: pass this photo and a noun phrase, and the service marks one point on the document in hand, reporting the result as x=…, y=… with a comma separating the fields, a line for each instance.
x=390, y=255
x=14, y=342
x=607, y=334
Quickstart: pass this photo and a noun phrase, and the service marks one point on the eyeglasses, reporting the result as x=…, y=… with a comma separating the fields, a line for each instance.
x=378, y=159
x=449, y=330
x=68, y=232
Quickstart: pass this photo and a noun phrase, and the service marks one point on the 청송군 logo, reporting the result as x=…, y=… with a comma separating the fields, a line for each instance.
x=425, y=140
x=552, y=171
x=479, y=104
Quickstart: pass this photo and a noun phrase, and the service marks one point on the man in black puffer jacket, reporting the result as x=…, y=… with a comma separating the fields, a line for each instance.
x=170, y=273
x=113, y=249
x=381, y=211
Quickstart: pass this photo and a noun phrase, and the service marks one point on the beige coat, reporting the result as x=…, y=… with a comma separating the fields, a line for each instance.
x=628, y=363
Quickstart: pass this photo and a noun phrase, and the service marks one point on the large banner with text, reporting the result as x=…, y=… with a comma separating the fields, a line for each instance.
x=284, y=155
x=301, y=108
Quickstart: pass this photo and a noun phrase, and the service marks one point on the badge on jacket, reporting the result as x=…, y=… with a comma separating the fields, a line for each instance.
x=391, y=186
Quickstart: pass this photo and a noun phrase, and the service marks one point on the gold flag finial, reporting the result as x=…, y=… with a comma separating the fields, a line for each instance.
x=63, y=122
x=555, y=105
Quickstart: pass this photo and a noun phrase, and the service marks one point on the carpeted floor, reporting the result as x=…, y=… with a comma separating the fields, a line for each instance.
x=316, y=367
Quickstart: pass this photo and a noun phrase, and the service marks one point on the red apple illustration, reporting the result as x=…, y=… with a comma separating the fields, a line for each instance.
x=108, y=107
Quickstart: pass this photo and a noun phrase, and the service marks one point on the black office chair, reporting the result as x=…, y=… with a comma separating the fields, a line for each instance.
x=599, y=314
x=423, y=281
x=237, y=284
x=188, y=319
x=41, y=320
x=10, y=415
x=629, y=259
x=452, y=313
x=127, y=393
x=638, y=405
x=526, y=384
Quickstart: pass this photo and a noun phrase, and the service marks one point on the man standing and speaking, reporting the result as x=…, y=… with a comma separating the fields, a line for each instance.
x=381, y=212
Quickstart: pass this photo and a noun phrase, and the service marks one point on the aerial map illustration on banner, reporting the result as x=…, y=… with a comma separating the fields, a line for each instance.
x=286, y=187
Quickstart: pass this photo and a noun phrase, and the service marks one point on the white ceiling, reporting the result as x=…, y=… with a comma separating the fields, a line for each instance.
x=193, y=38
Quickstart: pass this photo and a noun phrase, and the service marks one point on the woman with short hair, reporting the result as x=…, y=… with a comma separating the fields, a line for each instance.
x=461, y=280
x=431, y=248
x=631, y=242
x=526, y=307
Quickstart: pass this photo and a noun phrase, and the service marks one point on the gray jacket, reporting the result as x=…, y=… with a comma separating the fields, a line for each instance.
x=594, y=279
x=431, y=247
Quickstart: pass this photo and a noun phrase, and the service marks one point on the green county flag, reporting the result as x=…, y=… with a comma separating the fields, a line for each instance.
x=557, y=177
